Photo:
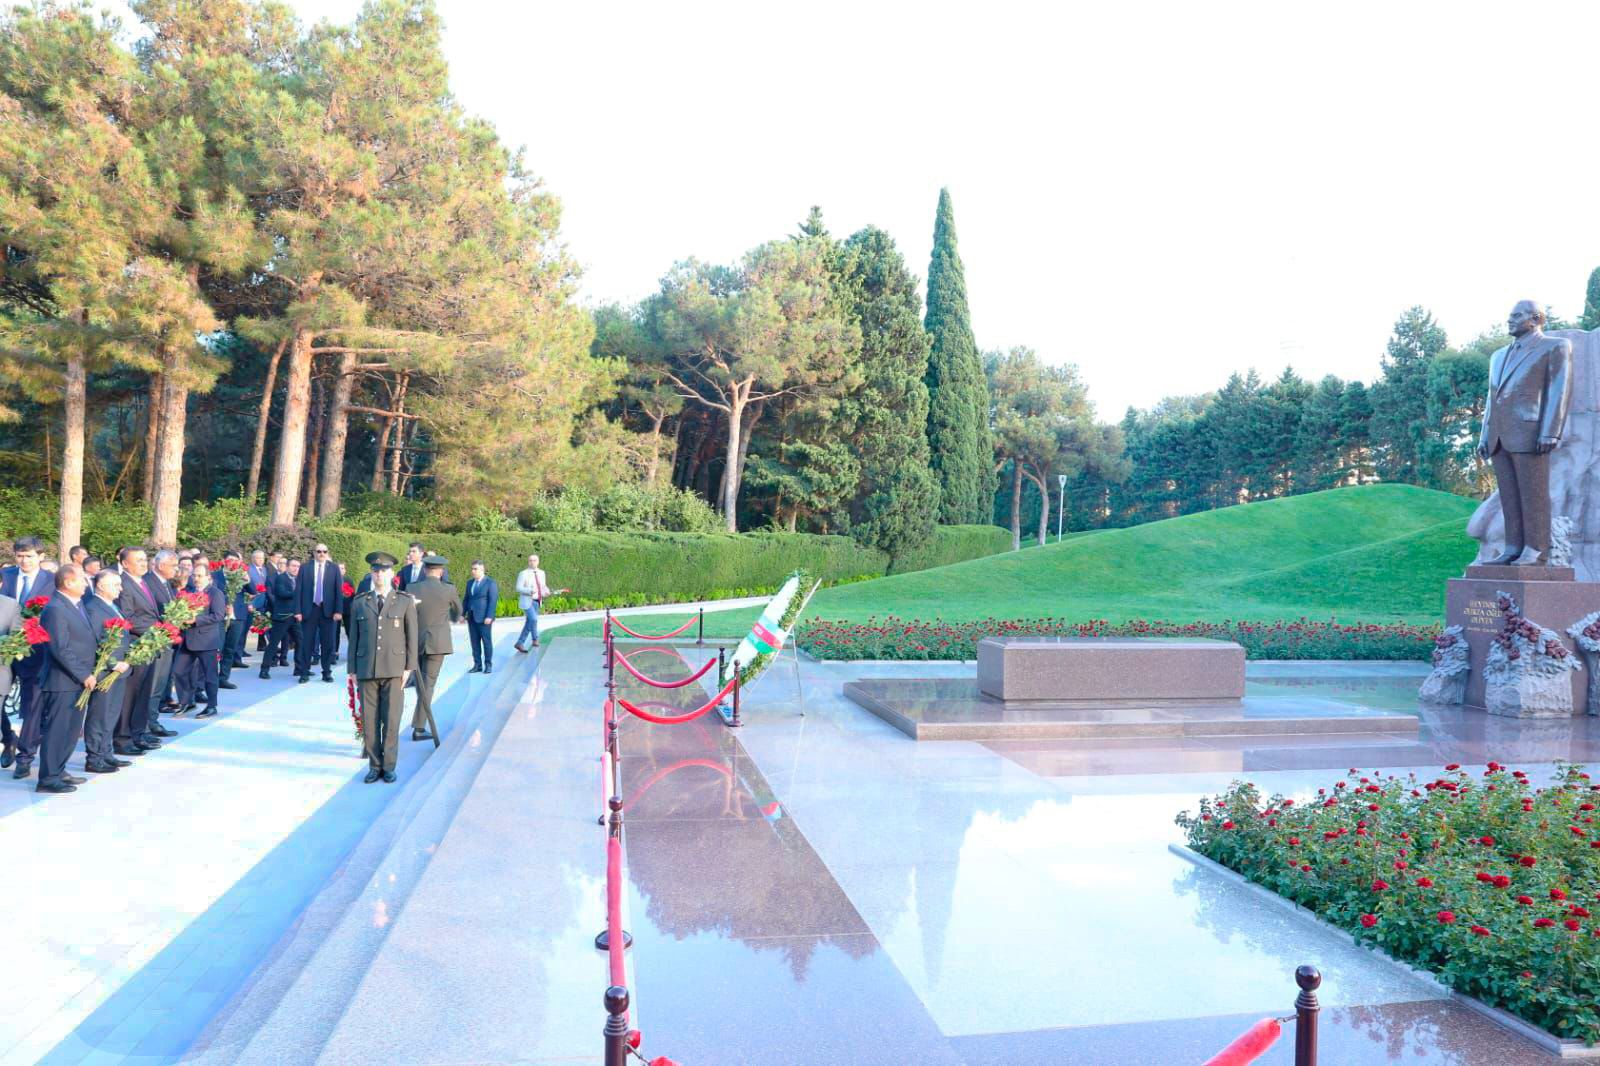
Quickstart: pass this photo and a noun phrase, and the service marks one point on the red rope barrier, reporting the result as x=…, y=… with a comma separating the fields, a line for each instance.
x=1250, y=1046
x=652, y=682
x=639, y=712
x=664, y=636
x=614, y=947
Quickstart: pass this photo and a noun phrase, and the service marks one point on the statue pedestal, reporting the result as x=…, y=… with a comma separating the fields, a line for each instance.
x=1547, y=595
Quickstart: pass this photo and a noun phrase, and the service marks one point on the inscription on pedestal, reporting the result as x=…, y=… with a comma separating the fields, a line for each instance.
x=1470, y=603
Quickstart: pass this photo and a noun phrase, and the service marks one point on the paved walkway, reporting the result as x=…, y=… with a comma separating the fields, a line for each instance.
x=149, y=895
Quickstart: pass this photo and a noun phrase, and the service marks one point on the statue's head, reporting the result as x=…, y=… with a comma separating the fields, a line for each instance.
x=1526, y=317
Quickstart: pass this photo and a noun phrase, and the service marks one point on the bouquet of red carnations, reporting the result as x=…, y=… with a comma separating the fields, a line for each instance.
x=35, y=606
x=235, y=576
x=19, y=643
x=112, y=636
x=355, y=704
x=259, y=622
x=184, y=608
x=149, y=645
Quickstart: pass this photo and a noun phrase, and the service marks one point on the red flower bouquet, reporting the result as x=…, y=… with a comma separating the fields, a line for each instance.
x=112, y=636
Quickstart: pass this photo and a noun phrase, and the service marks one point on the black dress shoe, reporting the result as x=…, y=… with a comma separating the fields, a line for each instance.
x=98, y=767
x=24, y=768
x=488, y=668
x=73, y=780
x=389, y=778
x=264, y=675
x=421, y=734
x=169, y=705
x=209, y=712
x=129, y=749
x=118, y=763
x=8, y=754
x=57, y=788
x=148, y=742
x=226, y=684
x=158, y=730
x=476, y=670
x=327, y=679
x=372, y=775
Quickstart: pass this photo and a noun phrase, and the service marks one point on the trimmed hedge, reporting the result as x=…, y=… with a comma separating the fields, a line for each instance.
x=638, y=569
x=954, y=544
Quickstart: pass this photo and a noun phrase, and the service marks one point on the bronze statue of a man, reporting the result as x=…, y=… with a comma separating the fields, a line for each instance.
x=1530, y=388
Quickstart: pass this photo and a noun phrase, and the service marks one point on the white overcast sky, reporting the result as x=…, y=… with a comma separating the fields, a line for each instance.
x=1161, y=193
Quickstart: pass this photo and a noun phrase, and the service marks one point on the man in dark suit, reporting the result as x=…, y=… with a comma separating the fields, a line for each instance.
x=481, y=599
x=202, y=643
x=320, y=609
x=281, y=601
x=162, y=580
x=69, y=669
x=105, y=708
x=139, y=606
x=10, y=621
x=259, y=572
x=1524, y=417
x=413, y=570
x=238, y=629
x=437, y=607
x=383, y=650
x=23, y=581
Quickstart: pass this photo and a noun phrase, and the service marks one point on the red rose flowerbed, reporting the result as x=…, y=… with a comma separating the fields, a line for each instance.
x=1485, y=881
x=902, y=638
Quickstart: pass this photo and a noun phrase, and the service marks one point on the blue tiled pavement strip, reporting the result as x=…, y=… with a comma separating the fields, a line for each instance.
x=816, y=888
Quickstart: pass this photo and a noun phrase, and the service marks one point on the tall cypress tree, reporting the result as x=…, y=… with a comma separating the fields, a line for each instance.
x=1591, y=301
x=958, y=399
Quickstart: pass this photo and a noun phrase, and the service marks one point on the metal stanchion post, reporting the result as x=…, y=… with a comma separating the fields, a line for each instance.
x=1305, y=1010
x=722, y=670
x=700, y=637
x=605, y=635
x=616, y=1031
x=735, y=723
x=603, y=941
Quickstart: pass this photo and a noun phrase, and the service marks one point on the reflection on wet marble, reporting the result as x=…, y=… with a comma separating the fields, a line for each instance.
x=955, y=709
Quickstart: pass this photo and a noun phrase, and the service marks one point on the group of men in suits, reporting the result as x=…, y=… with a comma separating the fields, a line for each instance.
x=397, y=625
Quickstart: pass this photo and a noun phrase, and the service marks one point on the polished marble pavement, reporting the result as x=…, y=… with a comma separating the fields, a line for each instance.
x=821, y=889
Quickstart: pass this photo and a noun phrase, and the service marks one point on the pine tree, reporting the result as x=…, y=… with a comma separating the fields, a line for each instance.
x=1400, y=400
x=958, y=403
x=1591, y=302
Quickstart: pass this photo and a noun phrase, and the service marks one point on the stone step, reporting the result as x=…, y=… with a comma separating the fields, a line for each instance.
x=287, y=1009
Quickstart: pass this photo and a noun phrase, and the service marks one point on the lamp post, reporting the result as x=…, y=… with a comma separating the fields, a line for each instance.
x=1061, y=506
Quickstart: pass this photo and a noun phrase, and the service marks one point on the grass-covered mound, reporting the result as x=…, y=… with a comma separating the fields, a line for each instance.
x=1487, y=882
x=1367, y=554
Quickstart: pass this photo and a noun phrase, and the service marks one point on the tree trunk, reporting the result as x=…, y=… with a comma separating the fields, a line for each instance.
x=259, y=451
x=1016, y=505
x=70, y=527
x=292, y=440
x=314, y=427
x=730, y=480
x=169, y=450
x=746, y=429
x=378, y=464
x=1044, y=505
x=338, y=434
x=152, y=431
x=655, y=450
x=399, y=434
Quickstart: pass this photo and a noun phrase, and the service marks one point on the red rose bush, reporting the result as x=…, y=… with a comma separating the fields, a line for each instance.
x=1482, y=879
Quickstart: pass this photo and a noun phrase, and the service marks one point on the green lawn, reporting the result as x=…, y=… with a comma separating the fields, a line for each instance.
x=1373, y=553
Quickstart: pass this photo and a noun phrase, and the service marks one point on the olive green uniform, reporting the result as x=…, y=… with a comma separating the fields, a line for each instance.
x=383, y=646
x=437, y=606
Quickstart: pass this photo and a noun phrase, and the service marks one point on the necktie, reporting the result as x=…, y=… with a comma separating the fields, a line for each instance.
x=22, y=591
x=139, y=581
x=317, y=597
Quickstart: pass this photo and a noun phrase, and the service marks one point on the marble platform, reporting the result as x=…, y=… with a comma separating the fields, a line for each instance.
x=1104, y=669
x=954, y=708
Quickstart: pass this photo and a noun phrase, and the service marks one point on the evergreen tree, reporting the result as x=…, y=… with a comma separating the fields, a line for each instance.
x=958, y=403
x=895, y=504
x=1591, y=302
x=1400, y=401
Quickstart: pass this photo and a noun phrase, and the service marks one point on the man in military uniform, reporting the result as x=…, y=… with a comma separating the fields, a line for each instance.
x=437, y=606
x=383, y=650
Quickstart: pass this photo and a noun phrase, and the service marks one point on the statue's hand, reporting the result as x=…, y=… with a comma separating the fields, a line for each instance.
x=1545, y=445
